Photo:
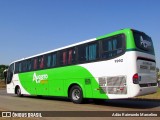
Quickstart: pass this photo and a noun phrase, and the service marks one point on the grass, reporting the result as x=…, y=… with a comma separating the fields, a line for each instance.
x=2, y=84
x=151, y=96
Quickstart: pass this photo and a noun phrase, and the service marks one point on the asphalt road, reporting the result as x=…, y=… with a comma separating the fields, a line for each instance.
x=33, y=103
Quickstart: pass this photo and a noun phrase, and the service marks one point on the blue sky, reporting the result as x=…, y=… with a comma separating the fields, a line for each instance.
x=29, y=27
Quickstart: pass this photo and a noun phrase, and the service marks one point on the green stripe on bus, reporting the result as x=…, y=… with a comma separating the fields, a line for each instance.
x=56, y=81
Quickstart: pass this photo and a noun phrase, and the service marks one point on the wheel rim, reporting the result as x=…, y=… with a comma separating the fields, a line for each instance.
x=76, y=94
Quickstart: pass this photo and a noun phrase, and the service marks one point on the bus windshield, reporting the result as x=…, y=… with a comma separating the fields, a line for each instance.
x=143, y=42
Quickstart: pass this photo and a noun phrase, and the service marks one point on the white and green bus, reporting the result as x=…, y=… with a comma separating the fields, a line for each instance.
x=114, y=66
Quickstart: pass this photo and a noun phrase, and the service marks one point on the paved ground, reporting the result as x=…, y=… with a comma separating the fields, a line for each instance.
x=30, y=103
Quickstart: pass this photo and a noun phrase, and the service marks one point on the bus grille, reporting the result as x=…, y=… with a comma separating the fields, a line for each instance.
x=113, y=85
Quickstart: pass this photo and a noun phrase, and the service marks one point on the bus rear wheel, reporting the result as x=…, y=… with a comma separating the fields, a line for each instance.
x=76, y=94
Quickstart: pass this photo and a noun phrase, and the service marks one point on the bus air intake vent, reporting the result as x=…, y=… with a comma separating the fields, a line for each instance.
x=113, y=85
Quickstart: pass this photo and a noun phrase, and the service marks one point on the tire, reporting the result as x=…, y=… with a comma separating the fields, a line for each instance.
x=18, y=92
x=76, y=94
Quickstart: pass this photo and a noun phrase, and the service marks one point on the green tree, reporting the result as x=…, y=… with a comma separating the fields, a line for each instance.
x=2, y=68
x=158, y=73
x=158, y=76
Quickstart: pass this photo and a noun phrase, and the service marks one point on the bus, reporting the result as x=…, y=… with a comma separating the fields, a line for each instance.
x=113, y=66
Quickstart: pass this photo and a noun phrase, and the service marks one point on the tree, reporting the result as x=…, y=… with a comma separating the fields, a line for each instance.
x=2, y=68
x=158, y=74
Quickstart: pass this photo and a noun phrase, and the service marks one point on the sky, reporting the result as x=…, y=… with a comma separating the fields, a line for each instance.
x=29, y=27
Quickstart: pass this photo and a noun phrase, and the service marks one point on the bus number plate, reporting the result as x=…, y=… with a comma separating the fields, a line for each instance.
x=118, y=60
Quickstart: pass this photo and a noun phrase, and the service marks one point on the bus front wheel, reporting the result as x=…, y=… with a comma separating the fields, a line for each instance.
x=76, y=94
x=18, y=92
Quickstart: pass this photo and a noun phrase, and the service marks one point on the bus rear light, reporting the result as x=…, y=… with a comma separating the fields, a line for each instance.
x=136, y=78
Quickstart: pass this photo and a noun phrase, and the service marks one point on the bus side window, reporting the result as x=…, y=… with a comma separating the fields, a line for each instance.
x=88, y=52
x=81, y=53
x=71, y=56
x=91, y=52
x=35, y=64
x=63, y=58
x=41, y=62
x=48, y=60
x=51, y=60
x=24, y=66
x=54, y=59
x=107, y=48
x=67, y=57
x=19, y=67
x=30, y=65
x=112, y=47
